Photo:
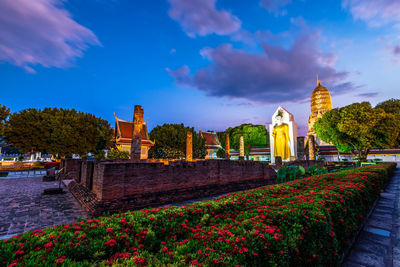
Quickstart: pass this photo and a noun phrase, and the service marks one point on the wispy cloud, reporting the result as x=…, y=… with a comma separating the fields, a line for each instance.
x=41, y=32
x=374, y=12
x=201, y=17
x=275, y=6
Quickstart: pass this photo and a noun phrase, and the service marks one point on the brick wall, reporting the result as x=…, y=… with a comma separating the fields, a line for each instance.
x=124, y=185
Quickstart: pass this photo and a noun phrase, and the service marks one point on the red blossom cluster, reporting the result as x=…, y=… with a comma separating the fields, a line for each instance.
x=303, y=222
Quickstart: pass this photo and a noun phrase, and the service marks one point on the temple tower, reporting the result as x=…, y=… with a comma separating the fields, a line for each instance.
x=137, y=133
x=320, y=103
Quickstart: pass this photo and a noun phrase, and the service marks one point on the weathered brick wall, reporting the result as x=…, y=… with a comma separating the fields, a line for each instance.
x=72, y=167
x=123, y=185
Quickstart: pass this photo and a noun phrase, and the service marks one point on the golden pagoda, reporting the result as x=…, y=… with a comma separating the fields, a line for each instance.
x=320, y=103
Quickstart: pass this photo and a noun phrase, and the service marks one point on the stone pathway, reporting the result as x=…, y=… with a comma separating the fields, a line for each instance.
x=379, y=242
x=23, y=207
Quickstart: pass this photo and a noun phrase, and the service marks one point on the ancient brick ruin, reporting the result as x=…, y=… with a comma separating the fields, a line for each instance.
x=111, y=186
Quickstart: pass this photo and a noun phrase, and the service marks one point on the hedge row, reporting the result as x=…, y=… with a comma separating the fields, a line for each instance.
x=304, y=222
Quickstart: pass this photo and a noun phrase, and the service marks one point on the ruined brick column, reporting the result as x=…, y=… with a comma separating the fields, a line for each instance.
x=137, y=134
x=189, y=146
x=227, y=147
x=311, y=147
x=241, y=148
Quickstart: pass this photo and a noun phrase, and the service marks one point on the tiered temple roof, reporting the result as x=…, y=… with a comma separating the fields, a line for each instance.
x=123, y=133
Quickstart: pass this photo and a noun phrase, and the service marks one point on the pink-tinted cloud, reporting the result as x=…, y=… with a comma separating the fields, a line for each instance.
x=201, y=17
x=41, y=32
x=396, y=50
x=275, y=5
x=374, y=12
x=276, y=75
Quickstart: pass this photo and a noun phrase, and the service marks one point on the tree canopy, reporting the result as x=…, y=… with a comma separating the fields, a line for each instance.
x=170, y=142
x=253, y=135
x=357, y=128
x=391, y=106
x=4, y=113
x=57, y=131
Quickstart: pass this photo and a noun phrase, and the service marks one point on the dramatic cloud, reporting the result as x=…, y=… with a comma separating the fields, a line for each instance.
x=201, y=17
x=274, y=5
x=277, y=75
x=374, y=12
x=40, y=32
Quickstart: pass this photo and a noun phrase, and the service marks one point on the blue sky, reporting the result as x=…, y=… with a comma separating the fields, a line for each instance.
x=206, y=63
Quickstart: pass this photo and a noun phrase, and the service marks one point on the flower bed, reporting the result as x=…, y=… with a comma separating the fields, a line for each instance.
x=303, y=222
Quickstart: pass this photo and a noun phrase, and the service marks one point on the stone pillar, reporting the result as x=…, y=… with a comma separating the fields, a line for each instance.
x=189, y=146
x=311, y=147
x=137, y=134
x=241, y=148
x=300, y=148
x=227, y=147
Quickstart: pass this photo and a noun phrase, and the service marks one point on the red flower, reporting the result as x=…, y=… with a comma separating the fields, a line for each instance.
x=215, y=261
x=111, y=243
x=60, y=259
x=109, y=230
x=194, y=262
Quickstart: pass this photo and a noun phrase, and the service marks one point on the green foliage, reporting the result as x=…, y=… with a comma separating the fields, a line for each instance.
x=118, y=154
x=171, y=142
x=221, y=153
x=391, y=106
x=289, y=173
x=4, y=113
x=316, y=170
x=357, y=128
x=57, y=131
x=307, y=222
x=253, y=135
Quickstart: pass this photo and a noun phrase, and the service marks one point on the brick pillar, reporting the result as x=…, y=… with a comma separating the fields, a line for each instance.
x=300, y=148
x=311, y=147
x=241, y=148
x=137, y=134
x=189, y=146
x=227, y=147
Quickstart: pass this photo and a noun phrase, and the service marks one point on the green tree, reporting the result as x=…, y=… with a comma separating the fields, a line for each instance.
x=170, y=142
x=57, y=131
x=253, y=135
x=4, y=113
x=357, y=128
x=391, y=106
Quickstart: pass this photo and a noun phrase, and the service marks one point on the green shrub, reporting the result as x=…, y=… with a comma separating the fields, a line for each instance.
x=316, y=170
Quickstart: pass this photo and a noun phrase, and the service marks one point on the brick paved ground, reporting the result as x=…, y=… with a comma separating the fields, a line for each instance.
x=24, y=208
x=379, y=241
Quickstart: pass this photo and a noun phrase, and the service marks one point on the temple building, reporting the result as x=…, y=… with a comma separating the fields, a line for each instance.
x=212, y=144
x=123, y=132
x=320, y=103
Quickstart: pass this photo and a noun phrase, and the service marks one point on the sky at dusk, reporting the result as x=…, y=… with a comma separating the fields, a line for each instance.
x=205, y=63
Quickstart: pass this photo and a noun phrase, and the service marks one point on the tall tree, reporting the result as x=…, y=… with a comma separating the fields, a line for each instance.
x=4, y=113
x=391, y=106
x=57, y=131
x=357, y=128
x=170, y=142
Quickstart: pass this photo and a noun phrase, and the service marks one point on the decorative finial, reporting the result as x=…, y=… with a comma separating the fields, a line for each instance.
x=318, y=80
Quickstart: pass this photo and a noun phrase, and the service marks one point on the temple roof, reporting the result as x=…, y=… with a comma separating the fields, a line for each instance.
x=124, y=130
x=212, y=141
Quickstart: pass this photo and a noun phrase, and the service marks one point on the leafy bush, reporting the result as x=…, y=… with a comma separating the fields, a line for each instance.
x=221, y=153
x=289, y=173
x=118, y=154
x=306, y=222
x=316, y=170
